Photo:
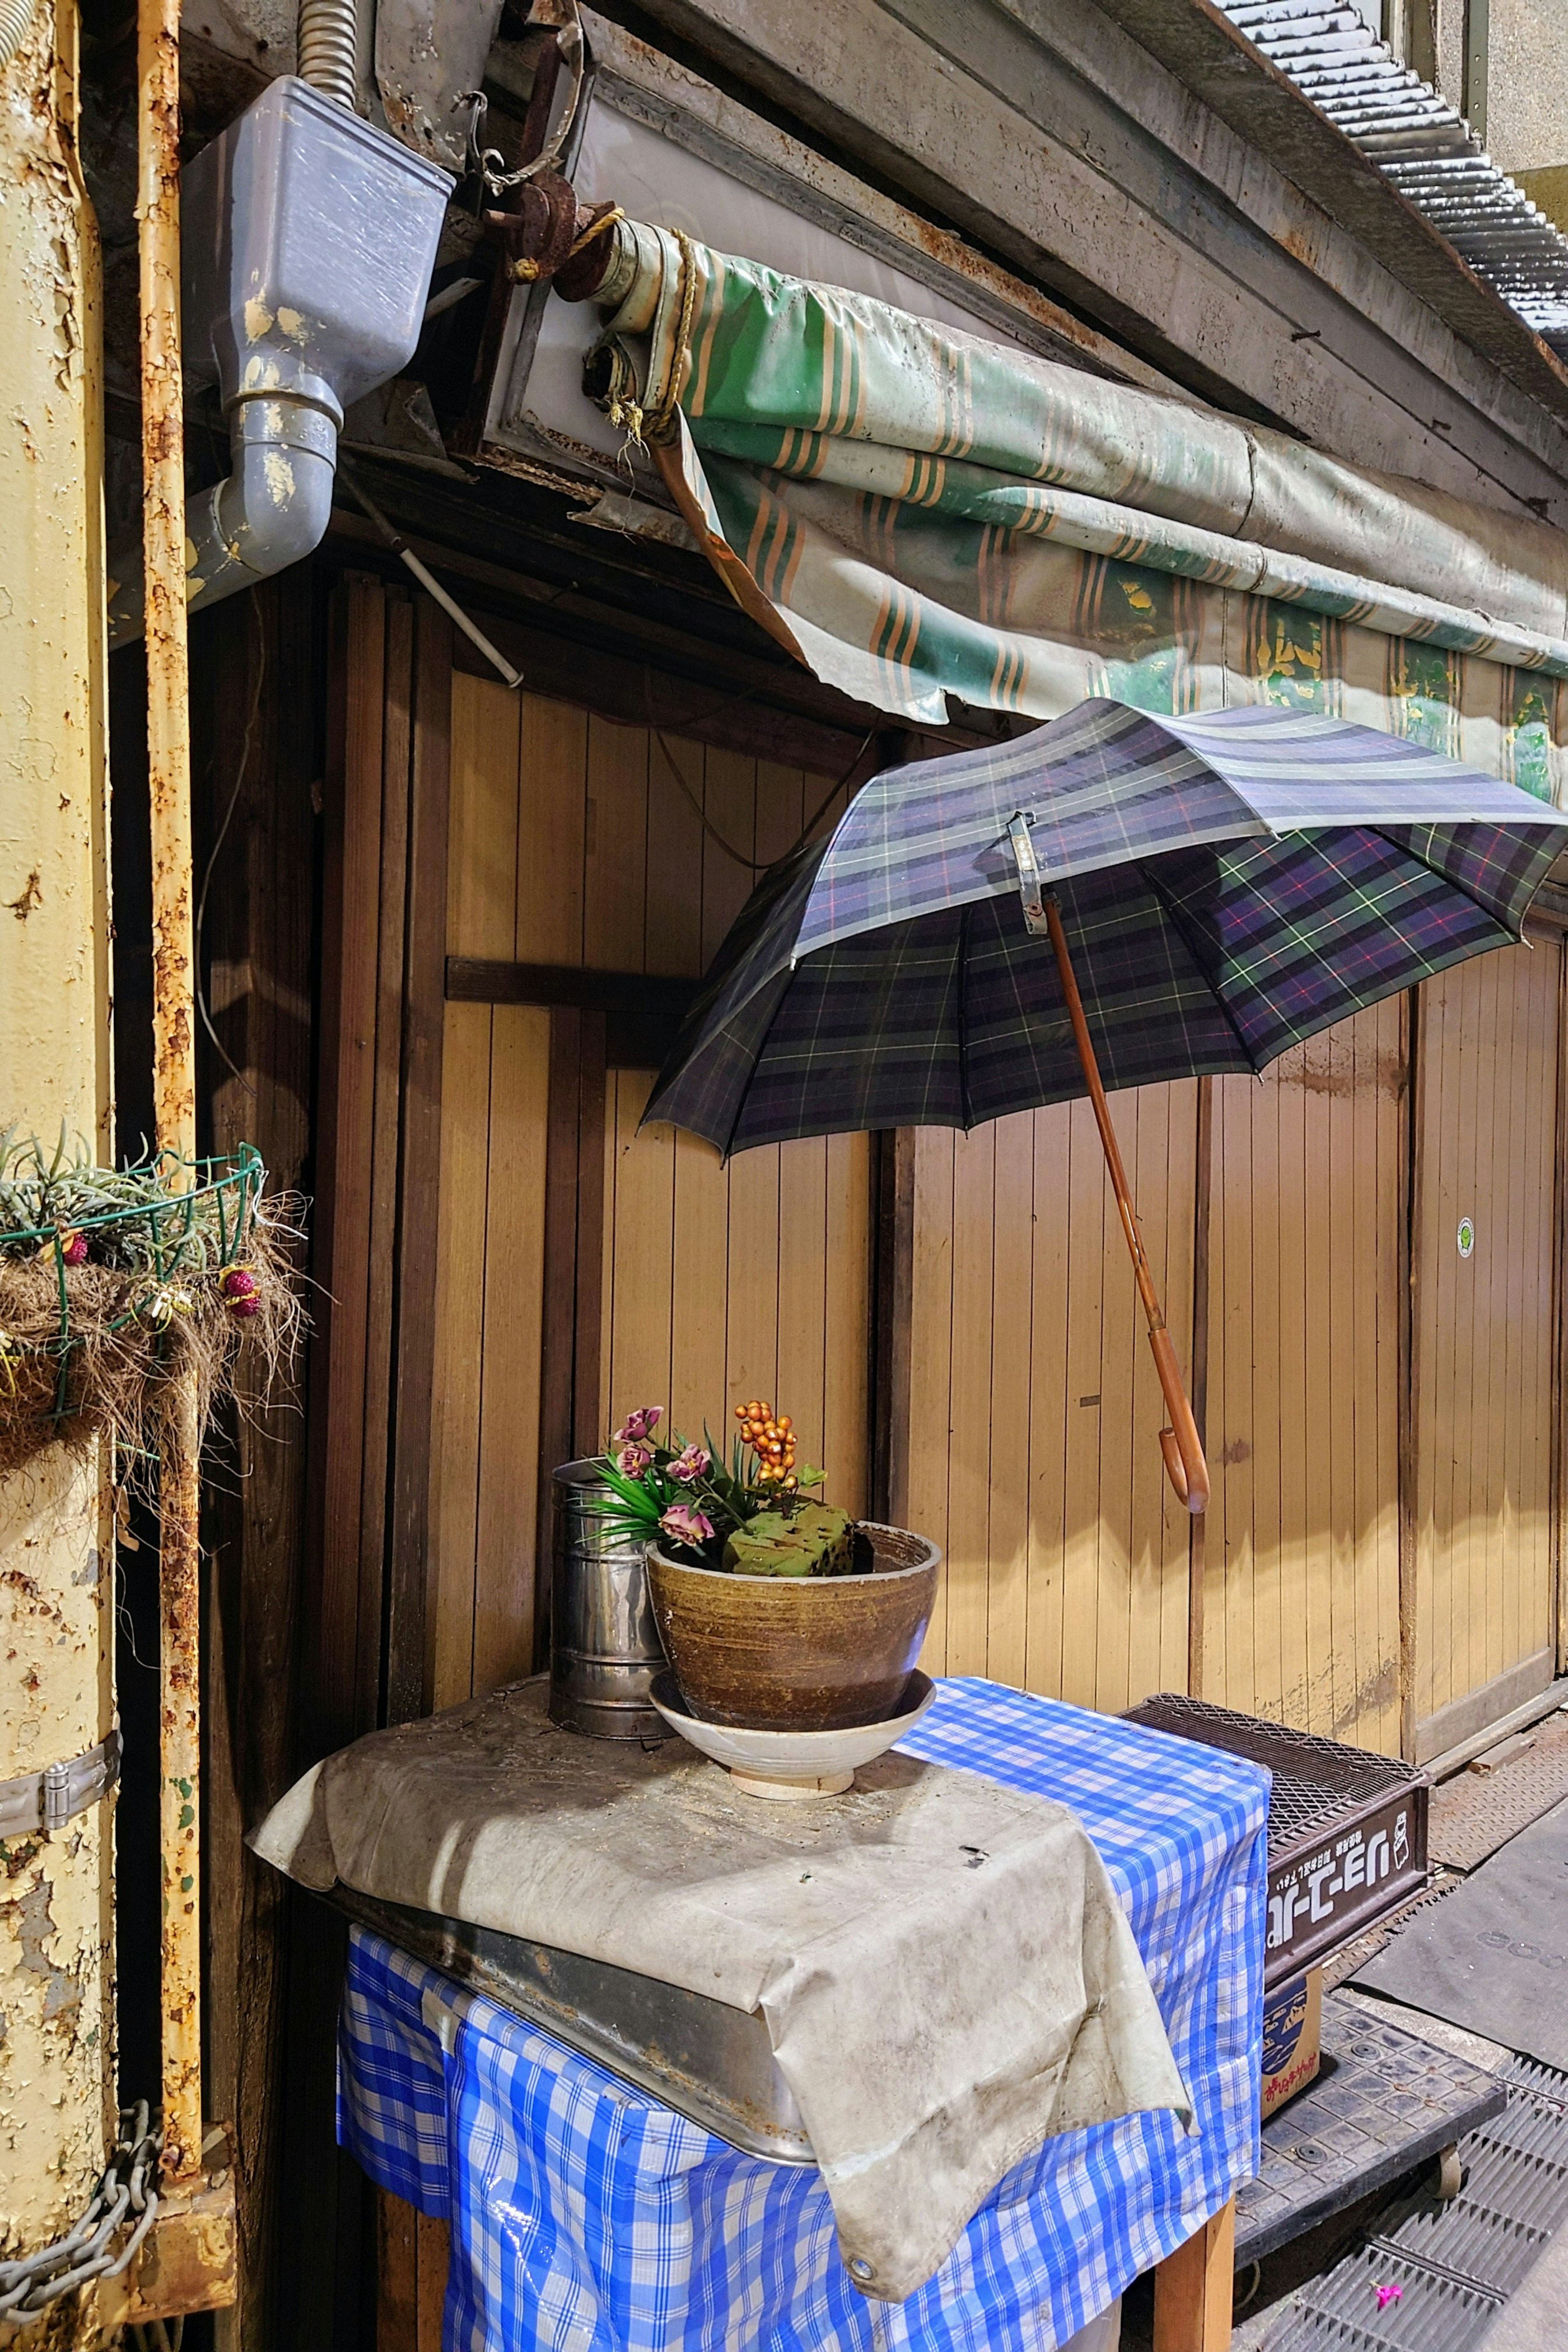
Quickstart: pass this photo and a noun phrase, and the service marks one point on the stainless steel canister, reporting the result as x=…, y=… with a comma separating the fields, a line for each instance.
x=605, y=1649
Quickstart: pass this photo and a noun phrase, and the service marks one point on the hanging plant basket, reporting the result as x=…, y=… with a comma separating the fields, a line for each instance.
x=117, y=1284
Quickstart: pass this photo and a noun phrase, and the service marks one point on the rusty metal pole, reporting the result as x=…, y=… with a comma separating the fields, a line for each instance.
x=173, y=1034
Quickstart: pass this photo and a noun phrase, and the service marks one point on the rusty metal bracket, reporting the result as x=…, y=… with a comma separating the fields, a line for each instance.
x=189, y=2260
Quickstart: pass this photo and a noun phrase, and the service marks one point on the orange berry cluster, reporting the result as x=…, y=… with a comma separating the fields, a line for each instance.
x=773, y=1442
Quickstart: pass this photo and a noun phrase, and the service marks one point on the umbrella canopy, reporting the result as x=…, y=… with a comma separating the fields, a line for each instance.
x=1228, y=882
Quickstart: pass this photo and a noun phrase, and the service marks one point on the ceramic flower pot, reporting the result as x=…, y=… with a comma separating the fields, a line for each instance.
x=797, y=1653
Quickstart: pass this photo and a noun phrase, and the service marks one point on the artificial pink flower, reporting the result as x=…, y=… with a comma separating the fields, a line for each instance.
x=639, y=1425
x=633, y=1460
x=695, y=1463
x=686, y=1525
x=1387, y=2295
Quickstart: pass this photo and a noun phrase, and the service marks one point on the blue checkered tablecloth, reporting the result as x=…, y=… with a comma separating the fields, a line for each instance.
x=587, y=2218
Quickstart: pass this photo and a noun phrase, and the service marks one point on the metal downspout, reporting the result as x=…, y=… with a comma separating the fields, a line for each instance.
x=240, y=532
x=173, y=1033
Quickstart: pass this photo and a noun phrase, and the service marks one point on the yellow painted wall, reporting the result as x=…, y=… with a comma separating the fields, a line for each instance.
x=56, y=1575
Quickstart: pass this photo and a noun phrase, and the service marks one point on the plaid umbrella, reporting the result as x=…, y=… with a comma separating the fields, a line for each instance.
x=1219, y=885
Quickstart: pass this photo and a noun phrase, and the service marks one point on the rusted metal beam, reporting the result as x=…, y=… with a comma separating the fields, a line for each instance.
x=189, y=2259
x=173, y=1033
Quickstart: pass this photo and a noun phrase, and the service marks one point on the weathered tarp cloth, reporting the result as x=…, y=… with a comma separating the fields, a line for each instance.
x=586, y=2214
x=944, y=1970
x=918, y=513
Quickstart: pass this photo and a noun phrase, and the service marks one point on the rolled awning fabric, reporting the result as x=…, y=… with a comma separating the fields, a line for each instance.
x=900, y=502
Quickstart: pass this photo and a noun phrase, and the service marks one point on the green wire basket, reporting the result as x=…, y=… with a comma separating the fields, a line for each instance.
x=133, y=1254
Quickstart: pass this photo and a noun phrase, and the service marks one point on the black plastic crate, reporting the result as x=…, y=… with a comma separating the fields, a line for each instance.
x=1347, y=1830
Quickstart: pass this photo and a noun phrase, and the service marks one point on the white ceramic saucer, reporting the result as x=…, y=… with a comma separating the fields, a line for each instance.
x=791, y=1763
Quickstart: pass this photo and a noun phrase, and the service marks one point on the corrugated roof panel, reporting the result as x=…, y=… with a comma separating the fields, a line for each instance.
x=1424, y=145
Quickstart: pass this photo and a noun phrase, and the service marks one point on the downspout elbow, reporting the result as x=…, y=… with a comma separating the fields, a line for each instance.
x=272, y=509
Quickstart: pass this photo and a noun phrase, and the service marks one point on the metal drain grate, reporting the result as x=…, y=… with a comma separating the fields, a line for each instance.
x=1455, y=2264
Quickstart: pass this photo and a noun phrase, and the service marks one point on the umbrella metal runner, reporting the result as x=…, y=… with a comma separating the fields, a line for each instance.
x=1215, y=888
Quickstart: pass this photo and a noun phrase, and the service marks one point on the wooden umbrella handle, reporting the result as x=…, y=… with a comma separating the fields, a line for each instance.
x=1180, y=1443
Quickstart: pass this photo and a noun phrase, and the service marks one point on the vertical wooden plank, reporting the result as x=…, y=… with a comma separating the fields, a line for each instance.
x=549, y=827
x=1097, y=1389
x=558, y=1318
x=459, y=1349
x=845, y=1412
x=893, y=1174
x=752, y=1317
x=1012, y=1373
x=1231, y=1322
x=1052, y=1404
x=931, y=1362
x=380, y=1240
x=587, y=1435
x=615, y=864
x=259, y=938
x=806, y=1318
x=1193, y=2289
x=1325, y=1669
x=673, y=917
x=730, y=804
x=967, y=1576
x=506, y=1520
x=332, y=1708
x=696, y=1382
x=1203, y=1208
x=409, y=1658
x=397, y=2274
x=639, y=1255
x=434, y=2239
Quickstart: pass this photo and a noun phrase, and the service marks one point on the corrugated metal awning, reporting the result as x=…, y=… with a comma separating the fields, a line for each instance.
x=1423, y=145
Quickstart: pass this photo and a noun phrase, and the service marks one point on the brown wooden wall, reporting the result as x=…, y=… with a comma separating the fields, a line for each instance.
x=574, y=846
x=1373, y=1469
x=1034, y=1406
x=952, y=1320
x=1301, y=1552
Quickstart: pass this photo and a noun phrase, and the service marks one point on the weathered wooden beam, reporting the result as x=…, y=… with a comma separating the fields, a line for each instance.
x=641, y=1014
x=1193, y=2288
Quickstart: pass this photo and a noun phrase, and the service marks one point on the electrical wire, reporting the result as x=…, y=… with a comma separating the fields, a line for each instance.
x=760, y=865
x=258, y=627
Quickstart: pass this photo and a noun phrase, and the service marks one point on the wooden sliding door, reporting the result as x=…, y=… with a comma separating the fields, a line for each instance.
x=1486, y=1401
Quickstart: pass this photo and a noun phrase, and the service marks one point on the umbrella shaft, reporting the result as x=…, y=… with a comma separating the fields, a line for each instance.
x=1181, y=1445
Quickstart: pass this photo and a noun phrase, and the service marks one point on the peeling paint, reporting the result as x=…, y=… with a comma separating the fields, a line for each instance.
x=30, y=897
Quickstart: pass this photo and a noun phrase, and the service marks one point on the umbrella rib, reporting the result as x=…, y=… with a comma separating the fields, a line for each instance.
x=1403, y=849
x=1179, y=920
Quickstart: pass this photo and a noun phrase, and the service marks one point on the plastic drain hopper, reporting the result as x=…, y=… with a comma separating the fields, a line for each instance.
x=309, y=240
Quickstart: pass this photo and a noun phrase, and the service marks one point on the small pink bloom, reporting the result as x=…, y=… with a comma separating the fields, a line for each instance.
x=639, y=1425
x=633, y=1460
x=686, y=1525
x=1387, y=2295
x=695, y=1463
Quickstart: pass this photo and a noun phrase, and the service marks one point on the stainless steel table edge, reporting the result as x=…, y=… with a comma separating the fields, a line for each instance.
x=711, y=2063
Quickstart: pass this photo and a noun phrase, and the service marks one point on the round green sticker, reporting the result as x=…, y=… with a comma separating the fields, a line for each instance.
x=1466, y=1237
